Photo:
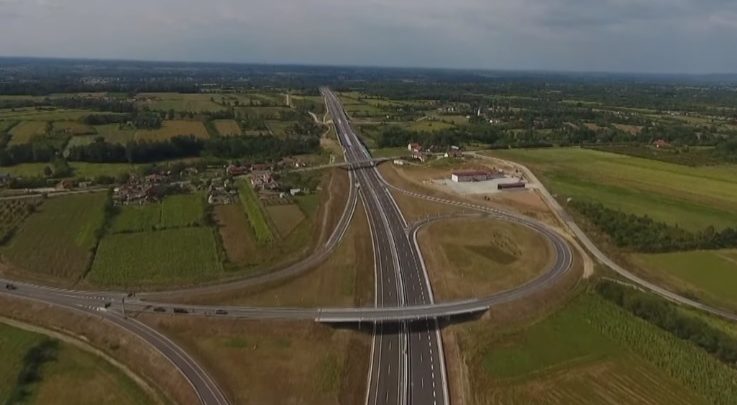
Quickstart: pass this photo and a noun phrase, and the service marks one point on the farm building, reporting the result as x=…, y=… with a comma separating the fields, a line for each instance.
x=473, y=175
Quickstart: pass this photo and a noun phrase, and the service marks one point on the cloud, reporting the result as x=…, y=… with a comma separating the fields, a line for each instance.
x=627, y=35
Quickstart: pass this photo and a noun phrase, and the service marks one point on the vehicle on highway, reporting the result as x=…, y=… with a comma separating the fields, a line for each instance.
x=221, y=312
x=180, y=311
x=10, y=287
x=159, y=309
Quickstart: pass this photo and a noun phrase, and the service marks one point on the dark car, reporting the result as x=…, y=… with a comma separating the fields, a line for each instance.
x=221, y=312
x=180, y=311
x=159, y=309
x=10, y=287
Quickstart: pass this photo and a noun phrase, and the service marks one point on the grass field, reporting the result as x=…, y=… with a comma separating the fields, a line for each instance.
x=285, y=218
x=710, y=274
x=114, y=133
x=182, y=210
x=182, y=255
x=591, y=352
x=81, y=169
x=471, y=257
x=238, y=241
x=179, y=102
x=46, y=114
x=279, y=128
x=692, y=198
x=6, y=125
x=227, y=127
x=427, y=126
x=12, y=214
x=137, y=219
x=57, y=240
x=94, y=380
x=170, y=129
x=73, y=128
x=255, y=213
x=25, y=131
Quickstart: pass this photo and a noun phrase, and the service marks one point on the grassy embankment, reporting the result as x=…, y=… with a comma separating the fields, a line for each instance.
x=38, y=369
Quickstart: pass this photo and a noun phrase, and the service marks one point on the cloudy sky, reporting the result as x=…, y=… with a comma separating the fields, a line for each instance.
x=686, y=36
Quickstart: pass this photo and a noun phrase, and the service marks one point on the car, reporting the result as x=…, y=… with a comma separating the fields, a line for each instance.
x=108, y=304
x=180, y=311
x=221, y=312
x=159, y=309
x=10, y=287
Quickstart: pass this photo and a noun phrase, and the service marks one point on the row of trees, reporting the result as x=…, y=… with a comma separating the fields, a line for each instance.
x=644, y=234
x=254, y=148
x=666, y=316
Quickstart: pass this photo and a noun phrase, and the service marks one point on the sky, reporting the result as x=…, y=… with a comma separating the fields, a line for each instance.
x=648, y=36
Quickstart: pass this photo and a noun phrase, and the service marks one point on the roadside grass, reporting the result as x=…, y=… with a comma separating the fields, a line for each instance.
x=255, y=213
x=692, y=198
x=472, y=257
x=58, y=239
x=591, y=352
x=93, y=379
x=227, y=127
x=181, y=255
x=710, y=274
x=14, y=344
x=238, y=240
x=25, y=131
x=318, y=362
x=342, y=280
x=285, y=217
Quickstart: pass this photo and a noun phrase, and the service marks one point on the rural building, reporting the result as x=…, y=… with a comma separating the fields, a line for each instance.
x=661, y=144
x=233, y=170
x=473, y=175
x=414, y=147
x=454, y=152
x=511, y=186
x=399, y=162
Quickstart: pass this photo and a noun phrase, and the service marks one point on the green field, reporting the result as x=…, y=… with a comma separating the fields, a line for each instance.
x=170, y=129
x=81, y=169
x=692, y=198
x=227, y=127
x=179, y=102
x=279, y=128
x=175, y=211
x=12, y=214
x=255, y=213
x=25, y=131
x=710, y=274
x=59, y=237
x=182, y=255
x=592, y=352
x=73, y=128
x=45, y=114
x=93, y=379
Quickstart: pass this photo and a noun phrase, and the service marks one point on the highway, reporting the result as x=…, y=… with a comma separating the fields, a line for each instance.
x=407, y=364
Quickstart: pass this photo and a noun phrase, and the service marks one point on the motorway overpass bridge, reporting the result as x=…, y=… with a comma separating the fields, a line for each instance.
x=354, y=165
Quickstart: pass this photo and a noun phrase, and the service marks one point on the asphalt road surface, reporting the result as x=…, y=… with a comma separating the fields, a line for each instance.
x=407, y=364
